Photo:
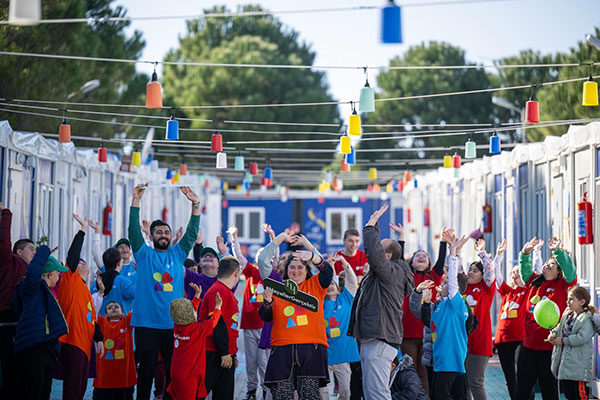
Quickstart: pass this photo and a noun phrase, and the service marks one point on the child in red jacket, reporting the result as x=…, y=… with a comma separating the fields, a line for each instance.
x=188, y=365
x=116, y=367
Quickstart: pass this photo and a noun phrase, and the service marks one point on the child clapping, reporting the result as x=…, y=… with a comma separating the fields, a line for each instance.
x=188, y=365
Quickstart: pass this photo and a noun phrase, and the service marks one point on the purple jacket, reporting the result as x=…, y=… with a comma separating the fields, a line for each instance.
x=265, y=335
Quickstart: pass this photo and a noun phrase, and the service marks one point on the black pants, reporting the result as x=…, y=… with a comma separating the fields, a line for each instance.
x=356, y=391
x=7, y=360
x=149, y=342
x=507, y=353
x=535, y=365
x=219, y=380
x=575, y=390
x=34, y=370
x=448, y=386
x=114, y=394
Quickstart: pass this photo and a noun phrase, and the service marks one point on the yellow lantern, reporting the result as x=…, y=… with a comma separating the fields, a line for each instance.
x=372, y=173
x=345, y=146
x=590, y=93
x=136, y=158
x=354, y=123
x=447, y=161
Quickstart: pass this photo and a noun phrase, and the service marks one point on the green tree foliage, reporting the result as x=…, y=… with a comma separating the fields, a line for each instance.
x=54, y=79
x=248, y=40
x=451, y=109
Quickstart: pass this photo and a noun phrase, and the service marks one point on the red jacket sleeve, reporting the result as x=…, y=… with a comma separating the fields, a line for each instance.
x=5, y=243
x=196, y=302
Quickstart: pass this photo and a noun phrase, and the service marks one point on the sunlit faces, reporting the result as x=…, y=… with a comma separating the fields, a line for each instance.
x=333, y=289
x=297, y=271
x=27, y=252
x=475, y=275
x=209, y=264
x=114, y=310
x=420, y=261
x=125, y=251
x=351, y=245
x=161, y=237
x=576, y=305
x=550, y=269
x=515, y=276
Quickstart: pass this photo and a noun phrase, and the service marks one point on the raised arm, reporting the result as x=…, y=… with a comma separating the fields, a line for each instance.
x=438, y=267
x=351, y=281
x=563, y=259
x=399, y=229
x=452, y=278
x=500, y=250
x=538, y=262
x=5, y=241
x=96, y=245
x=33, y=276
x=191, y=232
x=134, y=231
x=74, y=254
x=264, y=260
x=488, y=264
x=314, y=257
x=235, y=246
x=525, y=268
x=378, y=261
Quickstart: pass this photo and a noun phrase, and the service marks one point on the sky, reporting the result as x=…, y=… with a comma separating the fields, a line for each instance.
x=486, y=31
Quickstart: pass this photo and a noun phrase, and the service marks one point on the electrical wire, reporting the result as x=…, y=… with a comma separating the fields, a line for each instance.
x=246, y=13
x=293, y=66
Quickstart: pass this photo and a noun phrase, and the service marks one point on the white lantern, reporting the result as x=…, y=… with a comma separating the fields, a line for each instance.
x=24, y=12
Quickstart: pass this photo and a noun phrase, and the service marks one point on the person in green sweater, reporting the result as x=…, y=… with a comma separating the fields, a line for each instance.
x=160, y=280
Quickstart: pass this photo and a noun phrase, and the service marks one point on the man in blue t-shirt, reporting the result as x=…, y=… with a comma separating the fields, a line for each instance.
x=448, y=330
x=159, y=280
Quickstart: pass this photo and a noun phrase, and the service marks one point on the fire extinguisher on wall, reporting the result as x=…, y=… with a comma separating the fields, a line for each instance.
x=585, y=233
x=164, y=213
x=107, y=219
x=487, y=218
x=408, y=215
x=426, y=216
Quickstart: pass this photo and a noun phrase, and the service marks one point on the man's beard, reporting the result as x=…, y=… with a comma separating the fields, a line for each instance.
x=159, y=246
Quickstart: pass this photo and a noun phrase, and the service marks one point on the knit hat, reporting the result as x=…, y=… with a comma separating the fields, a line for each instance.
x=182, y=312
x=122, y=241
x=53, y=265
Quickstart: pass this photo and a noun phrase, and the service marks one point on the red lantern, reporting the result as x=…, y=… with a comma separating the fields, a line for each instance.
x=64, y=132
x=154, y=92
x=102, y=154
x=426, y=216
x=456, y=161
x=487, y=218
x=216, y=143
x=183, y=169
x=321, y=199
x=344, y=166
x=532, y=111
x=376, y=188
x=247, y=193
x=363, y=198
x=225, y=204
x=263, y=181
x=400, y=186
x=585, y=219
x=268, y=182
x=406, y=176
x=253, y=168
x=107, y=219
x=370, y=187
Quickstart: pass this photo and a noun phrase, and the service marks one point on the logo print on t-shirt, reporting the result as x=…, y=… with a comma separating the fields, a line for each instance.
x=301, y=317
x=163, y=282
x=89, y=314
x=119, y=349
x=257, y=293
x=332, y=326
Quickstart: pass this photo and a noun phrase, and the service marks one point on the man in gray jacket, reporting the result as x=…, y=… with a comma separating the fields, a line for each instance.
x=376, y=320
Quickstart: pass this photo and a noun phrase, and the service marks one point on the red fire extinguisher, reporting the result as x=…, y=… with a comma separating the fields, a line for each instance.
x=487, y=218
x=107, y=219
x=585, y=234
x=164, y=213
x=426, y=216
x=408, y=214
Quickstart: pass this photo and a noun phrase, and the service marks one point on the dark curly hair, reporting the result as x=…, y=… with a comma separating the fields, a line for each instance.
x=289, y=261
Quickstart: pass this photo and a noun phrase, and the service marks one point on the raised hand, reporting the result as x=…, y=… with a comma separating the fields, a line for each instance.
x=457, y=246
x=190, y=194
x=178, y=236
x=303, y=255
x=197, y=290
x=340, y=258
x=218, y=301
x=425, y=285
x=95, y=226
x=268, y=230
x=447, y=235
x=100, y=284
x=539, y=245
x=146, y=227
x=480, y=246
x=399, y=229
x=530, y=245
x=221, y=246
x=377, y=214
x=233, y=231
x=139, y=190
x=426, y=296
x=268, y=295
x=501, y=249
x=83, y=222
x=554, y=243
x=301, y=240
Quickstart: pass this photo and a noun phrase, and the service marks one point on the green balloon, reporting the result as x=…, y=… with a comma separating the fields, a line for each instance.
x=546, y=314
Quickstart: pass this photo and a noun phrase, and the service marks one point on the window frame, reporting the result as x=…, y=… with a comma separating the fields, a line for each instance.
x=345, y=211
x=244, y=232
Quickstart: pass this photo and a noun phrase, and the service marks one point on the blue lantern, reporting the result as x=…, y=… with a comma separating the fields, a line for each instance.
x=172, y=129
x=351, y=157
x=268, y=173
x=415, y=183
x=494, y=144
x=391, y=29
x=169, y=174
x=246, y=185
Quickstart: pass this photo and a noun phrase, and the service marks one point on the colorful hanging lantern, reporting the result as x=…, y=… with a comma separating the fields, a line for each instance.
x=495, y=144
x=351, y=157
x=406, y=176
x=590, y=91
x=183, y=169
x=344, y=166
x=224, y=185
x=470, y=149
x=169, y=174
x=326, y=185
x=248, y=177
x=24, y=12
x=400, y=186
x=268, y=182
x=354, y=122
x=363, y=198
x=253, y=168
x=216, y=143
x=321, y=199
x=64, y=132
x=391, y=28
x=102, y=154
x=239, y=163
x=447, y=161
x=372, y=173
x=172, y=129
x=136, y=159
x=367, y=97
x=345, y=146
x=376, y=188
x=336, y=185
x=246, y=185
x=268, y=173
x=532, y=109
x=221, y=160
x=456, y=161
x=370, y=187
x=415, y=183
x=389, y=187
x=154, y=92
x=177, y=177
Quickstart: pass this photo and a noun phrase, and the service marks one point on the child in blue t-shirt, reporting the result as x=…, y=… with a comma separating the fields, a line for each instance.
x=448, y=329
x=343, y=349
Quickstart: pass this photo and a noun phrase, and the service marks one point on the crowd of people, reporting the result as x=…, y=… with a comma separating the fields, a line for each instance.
x=387, y=325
